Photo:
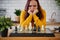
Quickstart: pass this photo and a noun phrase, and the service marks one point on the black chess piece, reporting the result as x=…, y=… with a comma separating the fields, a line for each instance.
x=34, y=29
x=15, y=29
x=38, y=29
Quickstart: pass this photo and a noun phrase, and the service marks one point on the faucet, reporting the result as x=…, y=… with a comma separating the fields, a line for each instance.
x=52, y=17
x=54, y=13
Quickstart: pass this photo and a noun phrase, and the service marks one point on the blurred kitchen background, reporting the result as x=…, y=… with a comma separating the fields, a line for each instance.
x=7, y=8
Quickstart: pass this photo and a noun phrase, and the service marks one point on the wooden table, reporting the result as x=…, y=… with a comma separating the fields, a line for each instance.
x=57, y=37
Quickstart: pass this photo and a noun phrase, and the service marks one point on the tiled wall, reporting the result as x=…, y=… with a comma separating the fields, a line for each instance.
x=49, y=5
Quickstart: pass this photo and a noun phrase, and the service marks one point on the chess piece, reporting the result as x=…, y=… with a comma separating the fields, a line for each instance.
x=30, y=27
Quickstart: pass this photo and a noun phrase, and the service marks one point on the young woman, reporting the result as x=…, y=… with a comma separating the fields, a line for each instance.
x=33, y=13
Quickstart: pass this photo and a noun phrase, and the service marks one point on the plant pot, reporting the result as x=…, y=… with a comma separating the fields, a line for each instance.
x=17, y=18
x=4, y=33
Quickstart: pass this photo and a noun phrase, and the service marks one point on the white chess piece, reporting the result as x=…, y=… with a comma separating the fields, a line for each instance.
x=18, y=27
x=21, y=28
x=42, y=28
x=26, y=28
x=30, y=27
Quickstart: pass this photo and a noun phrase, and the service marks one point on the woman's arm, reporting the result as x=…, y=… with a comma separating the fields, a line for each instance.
x=44, y=19
x=38, y=21
x=24, y=21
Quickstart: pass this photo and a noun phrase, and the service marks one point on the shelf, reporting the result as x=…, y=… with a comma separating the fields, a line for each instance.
x=53, y=23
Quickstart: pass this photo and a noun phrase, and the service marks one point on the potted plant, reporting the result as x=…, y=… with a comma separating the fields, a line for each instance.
x=5, y=23
x=17, y=12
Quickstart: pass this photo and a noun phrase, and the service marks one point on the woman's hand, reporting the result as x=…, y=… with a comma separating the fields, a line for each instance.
x=35, y=11
x=32, y=12
x=29, y=11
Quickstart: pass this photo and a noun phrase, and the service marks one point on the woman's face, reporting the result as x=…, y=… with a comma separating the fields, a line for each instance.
x=33, y=5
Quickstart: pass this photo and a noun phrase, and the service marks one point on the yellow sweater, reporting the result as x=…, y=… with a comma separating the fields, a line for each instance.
x=38, y=22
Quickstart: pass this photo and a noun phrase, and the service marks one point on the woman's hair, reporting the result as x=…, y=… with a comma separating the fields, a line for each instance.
x=39, y=14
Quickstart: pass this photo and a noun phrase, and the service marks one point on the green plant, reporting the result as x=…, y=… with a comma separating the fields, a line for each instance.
x=17, y=12
x=58, y=2
x=5, y=23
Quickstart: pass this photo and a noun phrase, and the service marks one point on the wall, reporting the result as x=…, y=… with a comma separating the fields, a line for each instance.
x=49, y=5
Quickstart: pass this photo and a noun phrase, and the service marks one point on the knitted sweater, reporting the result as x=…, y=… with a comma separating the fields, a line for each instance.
x=38, y=22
